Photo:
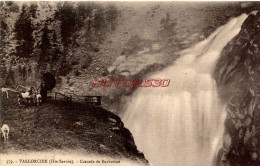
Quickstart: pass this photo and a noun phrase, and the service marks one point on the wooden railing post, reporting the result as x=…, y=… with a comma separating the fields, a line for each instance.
x=98, y=100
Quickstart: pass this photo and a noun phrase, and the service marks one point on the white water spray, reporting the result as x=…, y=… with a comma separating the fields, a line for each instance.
x=183, y=124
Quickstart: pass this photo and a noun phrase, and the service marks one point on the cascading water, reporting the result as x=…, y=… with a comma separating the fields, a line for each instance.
x=182, y=125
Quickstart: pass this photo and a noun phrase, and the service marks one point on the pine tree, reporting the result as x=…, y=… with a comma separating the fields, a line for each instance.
x=45, y=46
x=6, y=8
x=55, y=52
x=168, y=30
x=3, y=31
x=23, y=34
x=112, y=16
x=33, y=10
x=67, y=15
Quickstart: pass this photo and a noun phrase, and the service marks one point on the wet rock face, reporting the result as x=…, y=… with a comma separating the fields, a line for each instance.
x=238, y=77
x=132, y=65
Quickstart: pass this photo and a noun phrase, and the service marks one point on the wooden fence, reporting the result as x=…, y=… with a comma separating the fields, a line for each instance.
x=92, y=100
x=89, y=100
x=63, y=97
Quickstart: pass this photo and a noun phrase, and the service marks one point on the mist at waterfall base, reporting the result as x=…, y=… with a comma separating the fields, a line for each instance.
x=183, y=124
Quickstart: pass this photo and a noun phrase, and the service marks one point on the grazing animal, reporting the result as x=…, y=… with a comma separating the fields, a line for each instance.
x=38, y=99
x=31, y=96
x=25, y=98
x=5, y=91
x=26, y=95
x=5, y=131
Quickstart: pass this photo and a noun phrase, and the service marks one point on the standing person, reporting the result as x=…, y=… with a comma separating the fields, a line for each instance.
x=43, y=92
x=48, y=83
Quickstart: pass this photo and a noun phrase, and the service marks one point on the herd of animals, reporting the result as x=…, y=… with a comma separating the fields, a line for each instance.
x=30, y=96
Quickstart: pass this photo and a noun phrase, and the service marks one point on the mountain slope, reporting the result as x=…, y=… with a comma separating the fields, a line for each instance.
x=60, y=126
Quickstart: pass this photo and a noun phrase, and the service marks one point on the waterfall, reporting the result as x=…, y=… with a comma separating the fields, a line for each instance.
x=183, y=124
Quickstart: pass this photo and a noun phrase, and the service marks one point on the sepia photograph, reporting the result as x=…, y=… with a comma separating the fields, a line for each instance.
x=130, y=83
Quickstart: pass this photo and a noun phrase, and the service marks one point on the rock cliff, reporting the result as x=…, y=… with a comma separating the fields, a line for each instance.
x=238, y=77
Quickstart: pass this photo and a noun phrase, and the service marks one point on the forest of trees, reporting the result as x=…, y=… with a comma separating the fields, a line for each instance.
x=48, y=33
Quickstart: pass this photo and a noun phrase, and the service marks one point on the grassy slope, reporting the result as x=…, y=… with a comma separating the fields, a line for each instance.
x=52, y=126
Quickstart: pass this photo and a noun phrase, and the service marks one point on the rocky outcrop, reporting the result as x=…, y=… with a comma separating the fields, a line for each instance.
x=238, y=77
x=128, y=66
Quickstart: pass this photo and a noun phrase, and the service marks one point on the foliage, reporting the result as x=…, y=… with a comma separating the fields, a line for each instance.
x=50, y=33
x=67, y=15
x=168, y=30
x=23, y=33
x=6, y=9
x=45, y=45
